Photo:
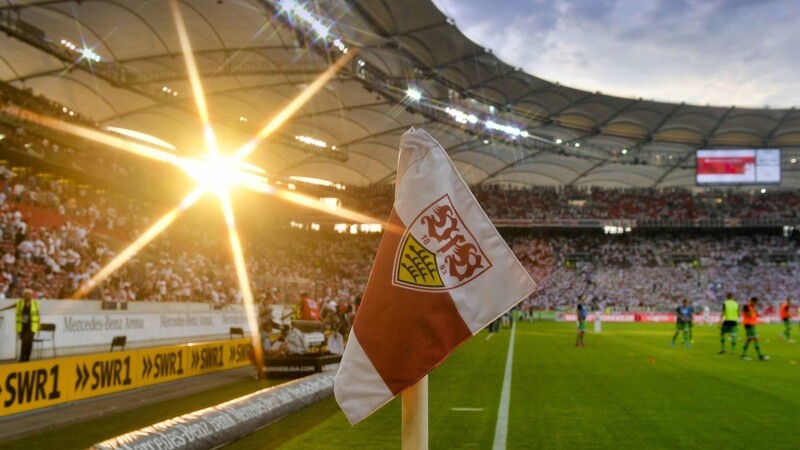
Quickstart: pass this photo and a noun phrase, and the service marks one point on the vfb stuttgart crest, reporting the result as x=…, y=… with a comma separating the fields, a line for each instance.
x=438, y=252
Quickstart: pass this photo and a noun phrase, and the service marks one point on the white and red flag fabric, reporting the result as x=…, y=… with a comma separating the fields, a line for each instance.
x=442, y=273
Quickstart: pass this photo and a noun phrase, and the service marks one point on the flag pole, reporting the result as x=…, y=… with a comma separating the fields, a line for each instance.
x=415, y=416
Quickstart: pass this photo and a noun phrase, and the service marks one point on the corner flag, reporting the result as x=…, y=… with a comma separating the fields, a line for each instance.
x=442, y=273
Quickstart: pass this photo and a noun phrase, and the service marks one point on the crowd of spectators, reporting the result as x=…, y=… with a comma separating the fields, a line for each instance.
x=546, y=203
x=637, y=272
x=56, y=233
x=192, y=262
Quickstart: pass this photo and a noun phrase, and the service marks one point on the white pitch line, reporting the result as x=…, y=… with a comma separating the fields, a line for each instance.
x=466, y=409
x=501, y=430
x=489, y=336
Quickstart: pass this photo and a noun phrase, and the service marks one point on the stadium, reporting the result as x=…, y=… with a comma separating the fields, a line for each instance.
x=199, y=199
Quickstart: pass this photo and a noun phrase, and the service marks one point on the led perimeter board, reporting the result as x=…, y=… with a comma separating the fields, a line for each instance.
x=738, y=166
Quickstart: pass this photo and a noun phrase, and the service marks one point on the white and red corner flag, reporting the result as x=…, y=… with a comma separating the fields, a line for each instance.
x=442, y=273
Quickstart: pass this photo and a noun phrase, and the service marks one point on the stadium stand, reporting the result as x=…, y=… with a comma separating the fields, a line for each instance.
x=58, y=230
x=54, y=250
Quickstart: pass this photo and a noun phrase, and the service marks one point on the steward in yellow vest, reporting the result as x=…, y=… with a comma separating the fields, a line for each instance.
x=27, y=323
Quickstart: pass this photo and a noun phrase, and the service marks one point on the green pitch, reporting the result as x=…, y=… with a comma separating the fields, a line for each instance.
x=626, y=389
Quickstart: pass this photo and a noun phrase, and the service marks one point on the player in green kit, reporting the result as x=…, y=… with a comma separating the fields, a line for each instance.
x=729, y=323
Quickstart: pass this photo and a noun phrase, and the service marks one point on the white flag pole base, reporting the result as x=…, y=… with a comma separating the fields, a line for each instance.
x=415, y=416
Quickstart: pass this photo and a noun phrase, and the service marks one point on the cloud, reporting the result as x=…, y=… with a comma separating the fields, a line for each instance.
x=719, y=52
x=592, y=11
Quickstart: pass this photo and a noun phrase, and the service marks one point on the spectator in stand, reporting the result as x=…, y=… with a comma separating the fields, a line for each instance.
x=335, y=342
x=278, y=348
x=295, y=343
x=309, y=308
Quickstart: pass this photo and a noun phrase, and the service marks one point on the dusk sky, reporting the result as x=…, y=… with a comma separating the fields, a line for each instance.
x=719, y=52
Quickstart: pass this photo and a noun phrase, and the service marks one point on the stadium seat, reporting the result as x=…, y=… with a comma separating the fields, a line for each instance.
x=46, y=333
x=236, y=332
x=118, y=341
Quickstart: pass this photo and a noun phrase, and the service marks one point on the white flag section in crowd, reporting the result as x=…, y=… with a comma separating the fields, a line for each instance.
x=442, y=273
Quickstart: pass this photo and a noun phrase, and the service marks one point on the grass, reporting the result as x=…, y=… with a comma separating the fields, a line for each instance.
x=626, y=389
x=470, y=378
x=629, y=389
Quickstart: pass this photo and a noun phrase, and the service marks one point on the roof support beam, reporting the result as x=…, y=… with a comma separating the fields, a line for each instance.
x=206, y=72
x=425, y=28
x=208, y=52
x=498, y=76
x=649, y=138
x=511, y=164
x=688, y=155
x=599, y=128
x=587, y=172
x=778, y=126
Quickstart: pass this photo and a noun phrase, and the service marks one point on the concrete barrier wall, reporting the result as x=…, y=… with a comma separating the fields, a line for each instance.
x=82, y=327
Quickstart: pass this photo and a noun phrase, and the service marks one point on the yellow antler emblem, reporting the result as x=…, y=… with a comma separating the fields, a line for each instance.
x=418, y=265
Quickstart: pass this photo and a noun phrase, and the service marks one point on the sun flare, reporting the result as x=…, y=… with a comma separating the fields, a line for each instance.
x=213, y=172
x=218, y=174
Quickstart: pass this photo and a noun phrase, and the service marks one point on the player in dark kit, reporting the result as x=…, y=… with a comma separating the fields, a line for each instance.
x=581, y=322
x=683, y=323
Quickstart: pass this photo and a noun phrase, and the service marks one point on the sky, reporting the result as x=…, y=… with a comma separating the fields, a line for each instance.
x=719, y=52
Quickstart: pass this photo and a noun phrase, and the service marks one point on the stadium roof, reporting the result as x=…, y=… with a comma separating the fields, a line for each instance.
x=499, y=124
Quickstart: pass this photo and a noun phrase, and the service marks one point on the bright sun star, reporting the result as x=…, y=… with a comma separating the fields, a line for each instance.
x=213, y=172
x=218, y=174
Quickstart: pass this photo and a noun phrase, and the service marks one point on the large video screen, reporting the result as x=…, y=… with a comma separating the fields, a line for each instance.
x=739, y=166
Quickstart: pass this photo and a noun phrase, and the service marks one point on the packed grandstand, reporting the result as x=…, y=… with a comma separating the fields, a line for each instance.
x=58, y=230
